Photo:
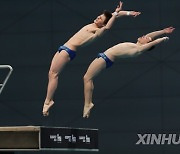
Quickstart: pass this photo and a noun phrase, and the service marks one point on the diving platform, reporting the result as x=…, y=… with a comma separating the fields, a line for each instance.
x=36, y=138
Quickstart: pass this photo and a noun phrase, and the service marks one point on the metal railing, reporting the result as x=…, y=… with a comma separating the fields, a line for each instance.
x=2, y=85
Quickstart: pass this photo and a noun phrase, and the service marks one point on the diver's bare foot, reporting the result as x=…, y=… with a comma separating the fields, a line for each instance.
x=46, y=108
x=88, y=114
x=87, y=109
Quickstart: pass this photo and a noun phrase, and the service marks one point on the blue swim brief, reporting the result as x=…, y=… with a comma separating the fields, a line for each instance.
x=72, y=54
x=107, y=60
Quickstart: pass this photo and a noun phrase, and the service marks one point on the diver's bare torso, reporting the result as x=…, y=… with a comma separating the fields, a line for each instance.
x=122, y=50
x=82, y=37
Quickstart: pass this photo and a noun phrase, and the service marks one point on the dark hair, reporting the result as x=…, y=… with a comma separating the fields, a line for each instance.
x=151, y=48
x=108, y=15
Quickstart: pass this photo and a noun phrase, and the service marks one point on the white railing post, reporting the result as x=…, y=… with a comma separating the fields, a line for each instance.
x=2, y=85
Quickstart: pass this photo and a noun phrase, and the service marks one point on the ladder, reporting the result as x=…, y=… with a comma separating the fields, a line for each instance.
x=2, y=85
